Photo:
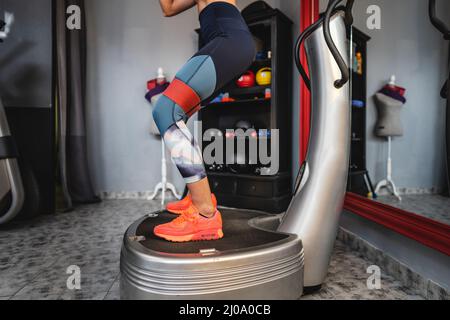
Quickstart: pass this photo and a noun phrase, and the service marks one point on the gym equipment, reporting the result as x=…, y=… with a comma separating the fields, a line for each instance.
x=238, y=162
x=247, y=80
x=358, y=104
x=264, y=76
x=440, y=25
x=243, y=125
x=261, y=55
x=12, y=193
x=262, y=256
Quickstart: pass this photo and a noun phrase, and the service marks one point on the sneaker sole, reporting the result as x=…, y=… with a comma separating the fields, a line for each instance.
x=206, y=235
x=178, y=212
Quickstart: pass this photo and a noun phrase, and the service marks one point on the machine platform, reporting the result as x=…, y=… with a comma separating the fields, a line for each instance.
x=250, y=262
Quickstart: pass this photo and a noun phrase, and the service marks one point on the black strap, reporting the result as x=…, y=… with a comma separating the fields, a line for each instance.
x=8, y=148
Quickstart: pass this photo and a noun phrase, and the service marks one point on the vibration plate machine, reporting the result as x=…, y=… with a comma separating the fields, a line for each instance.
x=262, y=256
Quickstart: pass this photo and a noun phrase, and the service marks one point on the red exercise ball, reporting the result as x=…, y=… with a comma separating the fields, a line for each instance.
x=247, y=80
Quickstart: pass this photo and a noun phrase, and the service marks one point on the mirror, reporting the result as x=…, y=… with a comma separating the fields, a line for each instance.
x=400, y=124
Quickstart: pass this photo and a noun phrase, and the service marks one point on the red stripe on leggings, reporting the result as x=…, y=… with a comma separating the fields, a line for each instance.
x=184, y=96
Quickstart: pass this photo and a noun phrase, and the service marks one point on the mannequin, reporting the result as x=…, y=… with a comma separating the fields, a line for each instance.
x=389, y=101
x=389, y=107
x=156, y=88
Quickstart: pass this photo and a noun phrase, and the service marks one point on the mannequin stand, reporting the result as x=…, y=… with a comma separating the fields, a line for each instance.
x=163, y=186
x=388, y=183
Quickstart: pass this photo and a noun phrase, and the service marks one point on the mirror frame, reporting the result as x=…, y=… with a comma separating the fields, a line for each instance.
x=426, y=231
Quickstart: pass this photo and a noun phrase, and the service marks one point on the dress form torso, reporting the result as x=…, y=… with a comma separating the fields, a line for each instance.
x=389, y=122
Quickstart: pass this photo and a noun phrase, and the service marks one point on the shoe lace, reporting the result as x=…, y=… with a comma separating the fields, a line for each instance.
x=186, y=217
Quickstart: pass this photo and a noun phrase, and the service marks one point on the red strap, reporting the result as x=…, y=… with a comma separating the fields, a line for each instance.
x=184, y=96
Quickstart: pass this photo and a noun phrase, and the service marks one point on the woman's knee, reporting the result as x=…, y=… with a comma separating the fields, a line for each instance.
x=162, y=114
x=166, y=113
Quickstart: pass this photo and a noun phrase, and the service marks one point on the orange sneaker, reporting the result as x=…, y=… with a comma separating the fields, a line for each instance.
x=191, y=227
x=179, y=207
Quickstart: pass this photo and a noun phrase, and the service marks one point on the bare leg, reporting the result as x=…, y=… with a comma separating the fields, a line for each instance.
x=201, y=197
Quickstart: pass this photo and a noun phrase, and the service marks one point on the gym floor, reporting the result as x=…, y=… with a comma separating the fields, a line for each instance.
x=433, y=206
x=35, y=256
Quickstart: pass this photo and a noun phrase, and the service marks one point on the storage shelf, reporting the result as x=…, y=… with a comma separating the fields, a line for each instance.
x=250, y=191
x=248, y=176
x=261, y=63
x=248, y=91
x=240, y=103
x=358, y=174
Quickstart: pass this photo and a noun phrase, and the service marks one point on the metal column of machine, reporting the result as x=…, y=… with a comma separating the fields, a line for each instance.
x=317, y=205
x=259, y=258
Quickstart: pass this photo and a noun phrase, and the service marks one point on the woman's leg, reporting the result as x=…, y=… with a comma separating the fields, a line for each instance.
x=187, y=156
x=195, y=82
x=201, y=197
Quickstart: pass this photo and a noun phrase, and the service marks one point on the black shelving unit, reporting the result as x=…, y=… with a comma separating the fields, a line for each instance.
x=359, y=179
x=252, y=191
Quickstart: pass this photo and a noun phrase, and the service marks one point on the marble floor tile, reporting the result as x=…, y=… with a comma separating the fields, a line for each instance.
x=114, y=291
x=347, y=280
x=16, y=277
x=35, y=297
x=34, y=267
x=54, y=283
x=435, y=292
x=410, y=281
x=433, y=206
x=83, y=295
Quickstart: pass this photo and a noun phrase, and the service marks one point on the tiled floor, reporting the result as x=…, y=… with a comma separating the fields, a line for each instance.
x=432, y=206
x=34, y=257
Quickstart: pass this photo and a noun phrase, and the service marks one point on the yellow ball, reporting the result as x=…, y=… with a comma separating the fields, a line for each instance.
x=264, y=77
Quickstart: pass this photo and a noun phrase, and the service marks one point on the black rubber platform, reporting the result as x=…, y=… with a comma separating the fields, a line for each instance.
x=238, y=234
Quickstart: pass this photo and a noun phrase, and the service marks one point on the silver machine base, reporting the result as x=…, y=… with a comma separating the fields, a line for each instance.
x=251, y=263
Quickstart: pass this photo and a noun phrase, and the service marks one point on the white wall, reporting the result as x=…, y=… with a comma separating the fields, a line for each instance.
x=409, y=47
x=128, y=41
